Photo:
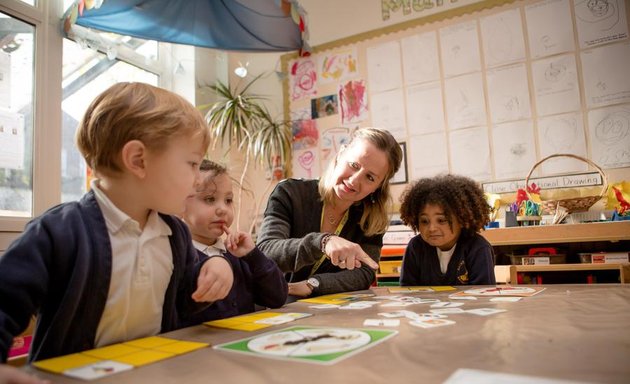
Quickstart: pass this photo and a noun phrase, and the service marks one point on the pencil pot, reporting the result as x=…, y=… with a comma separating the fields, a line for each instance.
x=571, y=204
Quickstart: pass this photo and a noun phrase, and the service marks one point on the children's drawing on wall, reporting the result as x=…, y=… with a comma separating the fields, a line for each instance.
x=428, y=155
x=388, y=111
x=425, y=113
x=562, y=134
x=514, y=149
x=305, y=134
x=420, y=58
x=384, y=70
x=331, y=142
x=610, y=136
x=470, y=153
x=465, y=105
x=353, y=98
x=607, y=74
x=305, y=164
x=302, y=78
x=556, y=85
x=503, y=38
x=324, y=106
x=600, y=21
x=508, y=93
x=460, y=48
x=337, y=65
x=549, y=27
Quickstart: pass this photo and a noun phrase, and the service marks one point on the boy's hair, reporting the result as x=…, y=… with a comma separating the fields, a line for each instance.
x=135, y=111
x=375, y=218
x=458, y=196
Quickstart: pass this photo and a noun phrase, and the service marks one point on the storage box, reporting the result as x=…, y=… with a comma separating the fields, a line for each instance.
x=391, y=266
x=605, y=257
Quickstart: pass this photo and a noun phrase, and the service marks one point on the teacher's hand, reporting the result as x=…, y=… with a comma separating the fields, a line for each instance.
x=346, y=254
x=12, y=375
x=300, y=289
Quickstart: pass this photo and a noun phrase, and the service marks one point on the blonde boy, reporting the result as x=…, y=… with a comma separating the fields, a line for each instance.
x=110, y=268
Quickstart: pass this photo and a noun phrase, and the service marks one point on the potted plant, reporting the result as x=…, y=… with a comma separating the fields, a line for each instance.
x=240, y=120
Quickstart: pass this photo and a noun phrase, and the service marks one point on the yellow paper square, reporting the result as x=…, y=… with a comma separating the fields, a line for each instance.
x=250, y=326
x=444, y=288
x=143, y=357
x=181, y=347
x=150, y=342
x=223, y=323
x=63, y=363
x=111, y=351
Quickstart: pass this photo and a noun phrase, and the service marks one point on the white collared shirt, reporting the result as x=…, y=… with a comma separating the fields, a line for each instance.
x=216, y=249
x=445, y=257
x=142, y=265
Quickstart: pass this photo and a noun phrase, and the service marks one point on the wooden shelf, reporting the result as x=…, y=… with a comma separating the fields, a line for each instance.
x=624, y=269
x=383, y=275
x=562, y=233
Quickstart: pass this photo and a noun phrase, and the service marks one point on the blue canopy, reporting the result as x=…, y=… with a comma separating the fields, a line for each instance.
x=237, y=25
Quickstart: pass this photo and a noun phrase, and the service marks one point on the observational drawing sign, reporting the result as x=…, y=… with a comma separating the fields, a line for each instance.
x=353, y=99
x=302, y=79
x=316, y=345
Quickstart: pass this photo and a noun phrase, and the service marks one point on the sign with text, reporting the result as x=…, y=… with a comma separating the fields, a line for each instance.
x=553, y=182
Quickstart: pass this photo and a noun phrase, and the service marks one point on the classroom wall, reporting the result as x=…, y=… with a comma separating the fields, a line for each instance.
x=541, y=127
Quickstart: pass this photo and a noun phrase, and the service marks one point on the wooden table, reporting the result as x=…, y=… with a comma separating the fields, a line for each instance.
x=571, y=332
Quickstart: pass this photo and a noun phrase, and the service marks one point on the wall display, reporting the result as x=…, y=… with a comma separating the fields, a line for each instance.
x=485, y=90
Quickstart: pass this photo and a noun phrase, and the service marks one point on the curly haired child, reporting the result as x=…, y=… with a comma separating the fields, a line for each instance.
x=447, y=212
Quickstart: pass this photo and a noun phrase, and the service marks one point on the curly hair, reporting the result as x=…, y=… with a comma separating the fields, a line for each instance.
x=458, y=196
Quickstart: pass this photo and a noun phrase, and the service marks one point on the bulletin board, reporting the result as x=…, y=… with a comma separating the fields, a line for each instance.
x=486, y=90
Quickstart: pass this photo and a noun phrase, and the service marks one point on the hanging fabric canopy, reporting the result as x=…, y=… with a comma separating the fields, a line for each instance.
x=236, y=25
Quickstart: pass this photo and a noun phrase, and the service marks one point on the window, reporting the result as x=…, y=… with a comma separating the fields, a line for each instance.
x=16, y=116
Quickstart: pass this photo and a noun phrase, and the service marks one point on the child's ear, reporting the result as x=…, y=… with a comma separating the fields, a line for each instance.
x=134, y=157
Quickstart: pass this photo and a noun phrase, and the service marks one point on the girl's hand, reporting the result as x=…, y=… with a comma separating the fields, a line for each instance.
x=347, y=255
x=238, y=243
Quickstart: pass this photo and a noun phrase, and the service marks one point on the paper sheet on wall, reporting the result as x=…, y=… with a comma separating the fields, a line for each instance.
x=502, y=36
x=610, y=136
x=514, y=151
x=11, y=140
x=424, y=109
x=556, y=85
x=465, y=105
x=549, y=27
x=459, y=48
x=331, y=141
x=306, y=163
x=384, y=72
x=427, y=155
x=600, y=21
x=302, y=78
x=562, y=134
x=470, y=153
x=420, y=58
x=508, y=93
x=388, y=112
x=336, y=66
x=607, y=74
x=353, y=102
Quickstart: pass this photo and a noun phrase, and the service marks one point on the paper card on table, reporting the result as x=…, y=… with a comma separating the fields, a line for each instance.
x=98, y=370
x=397, y=304
x=431, y=323
x=143, y=357
x=283, y=318
x=324, y=306
x=430, y=316
x=454, y=297
x=381, y=322
x=446, y=304
x=447, y=310
x=244, y=322
x=63, y=363
x=510, y=299
x=150, y=342
x=501, y=291
x=409, y=289
x=111, y=351
x=443, y=288
x=337, y=298
x=181, y=347
x=485, y=311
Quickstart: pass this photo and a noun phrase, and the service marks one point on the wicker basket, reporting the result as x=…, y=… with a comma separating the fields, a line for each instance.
x=576, y=204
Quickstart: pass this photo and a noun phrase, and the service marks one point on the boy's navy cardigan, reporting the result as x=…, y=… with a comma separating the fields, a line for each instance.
x=60, y=270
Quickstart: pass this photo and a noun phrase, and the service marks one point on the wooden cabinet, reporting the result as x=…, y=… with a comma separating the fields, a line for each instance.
x=572, y=239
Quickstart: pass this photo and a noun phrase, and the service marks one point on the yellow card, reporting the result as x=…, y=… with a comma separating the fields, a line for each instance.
x=62, y=363
x=410, y=289
x=181, y=347
x=143, y=357
x=337, y=298
x=444, y=288
x=111, y=351
x=150, y=342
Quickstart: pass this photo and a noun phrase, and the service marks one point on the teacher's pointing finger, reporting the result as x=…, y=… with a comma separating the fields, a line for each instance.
x=365, y=259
